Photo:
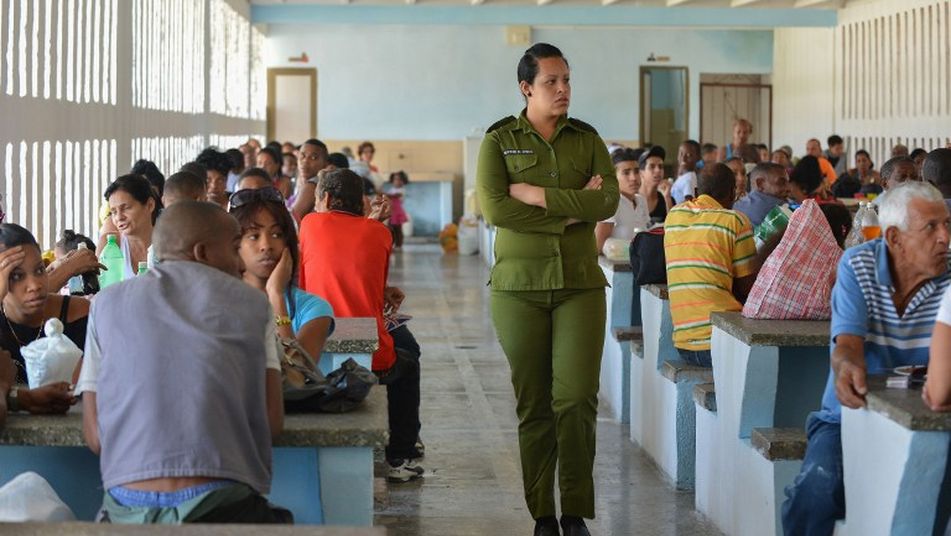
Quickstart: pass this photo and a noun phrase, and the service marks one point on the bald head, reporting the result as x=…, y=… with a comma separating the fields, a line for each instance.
x=199, y=232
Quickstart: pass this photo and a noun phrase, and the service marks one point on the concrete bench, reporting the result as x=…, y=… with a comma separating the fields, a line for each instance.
x=106, y=529
x=322, y=467
x=355, y=338
x=768, y=374
x=616, y=355
x=628, y=334
x=779, y=443
x=896, y=463
x=705, y=396
x=662, y=410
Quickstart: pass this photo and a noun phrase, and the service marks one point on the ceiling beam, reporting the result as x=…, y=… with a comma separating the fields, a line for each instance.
x=834, y=4
x=544, y=2
x=477, y=2
x=672, y=3
x=608, y=2
x=744, y=3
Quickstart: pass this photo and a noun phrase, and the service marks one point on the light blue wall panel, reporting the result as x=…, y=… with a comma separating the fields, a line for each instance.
x=436, y=82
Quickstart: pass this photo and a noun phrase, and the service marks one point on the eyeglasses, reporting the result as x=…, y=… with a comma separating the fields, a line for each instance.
x=243, y=197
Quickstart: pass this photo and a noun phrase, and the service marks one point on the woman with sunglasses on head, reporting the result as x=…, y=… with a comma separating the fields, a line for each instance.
x=26, y=305
x=270, y=253
x=133, y=209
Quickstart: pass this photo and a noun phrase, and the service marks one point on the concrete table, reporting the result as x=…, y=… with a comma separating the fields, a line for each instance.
x=897, y=476
x=355, y=338
x=767, y=374
x=322, y=464
x=106, y=529
x=616, y=357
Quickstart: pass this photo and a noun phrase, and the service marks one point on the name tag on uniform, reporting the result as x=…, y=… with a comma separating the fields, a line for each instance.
x=510, y=152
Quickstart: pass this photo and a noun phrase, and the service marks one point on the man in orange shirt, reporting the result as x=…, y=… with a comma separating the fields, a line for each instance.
x=345, y=258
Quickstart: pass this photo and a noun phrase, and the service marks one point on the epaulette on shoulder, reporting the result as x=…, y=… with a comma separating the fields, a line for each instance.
x=581, y=125
x=501, y=123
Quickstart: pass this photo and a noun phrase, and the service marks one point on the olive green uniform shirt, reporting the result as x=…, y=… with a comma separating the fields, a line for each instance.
x=535, y=248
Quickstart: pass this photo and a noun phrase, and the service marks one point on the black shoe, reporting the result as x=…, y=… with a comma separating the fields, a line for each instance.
x=546, y=526
x=574, y=526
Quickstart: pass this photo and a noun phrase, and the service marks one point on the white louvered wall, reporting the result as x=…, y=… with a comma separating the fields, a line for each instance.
x=89, y=86
x=881, y=77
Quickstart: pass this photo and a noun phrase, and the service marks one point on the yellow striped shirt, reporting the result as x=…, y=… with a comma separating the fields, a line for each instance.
x=706, y=246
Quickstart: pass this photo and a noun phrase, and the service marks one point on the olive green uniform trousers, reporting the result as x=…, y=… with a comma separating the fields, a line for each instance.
x=553, y=341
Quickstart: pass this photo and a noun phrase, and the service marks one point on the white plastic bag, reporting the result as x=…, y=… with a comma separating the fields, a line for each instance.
x=50, y=359
x=617, y=249
x=468, y=235
x=29, y=497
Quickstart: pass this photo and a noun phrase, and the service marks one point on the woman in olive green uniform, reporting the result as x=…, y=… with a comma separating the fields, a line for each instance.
x=544, y=181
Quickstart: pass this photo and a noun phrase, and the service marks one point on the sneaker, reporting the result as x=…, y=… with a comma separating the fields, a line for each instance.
x=420, y=447
x=404, y=470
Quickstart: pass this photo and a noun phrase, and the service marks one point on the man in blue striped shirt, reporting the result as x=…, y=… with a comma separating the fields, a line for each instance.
x=884, y=303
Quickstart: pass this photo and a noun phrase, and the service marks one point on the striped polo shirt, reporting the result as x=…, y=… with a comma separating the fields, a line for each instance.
x=706, y=246
x=862, y=305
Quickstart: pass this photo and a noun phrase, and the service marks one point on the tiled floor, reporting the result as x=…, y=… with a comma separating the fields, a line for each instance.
x=472, y=484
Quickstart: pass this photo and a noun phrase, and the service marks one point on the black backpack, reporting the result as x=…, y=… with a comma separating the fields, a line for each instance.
x=648, y=261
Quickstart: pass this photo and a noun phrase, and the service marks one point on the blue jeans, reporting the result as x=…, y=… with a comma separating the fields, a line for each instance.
x=816, y=499
x=701, y=358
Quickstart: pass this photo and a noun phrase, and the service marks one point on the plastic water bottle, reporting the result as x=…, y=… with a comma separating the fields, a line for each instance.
x=871, y=229
x=84, y=284
x=76, y=282
x=143, y=267
x=114, y=262
x=856, y=235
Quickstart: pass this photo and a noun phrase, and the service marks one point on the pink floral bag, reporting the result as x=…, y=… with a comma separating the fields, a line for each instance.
x=796, y=280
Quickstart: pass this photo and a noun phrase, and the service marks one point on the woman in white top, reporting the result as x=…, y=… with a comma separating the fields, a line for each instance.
x=632, y=211
x=132, y=209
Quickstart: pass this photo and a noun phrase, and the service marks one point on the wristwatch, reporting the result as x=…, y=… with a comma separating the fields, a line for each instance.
x=13, y=400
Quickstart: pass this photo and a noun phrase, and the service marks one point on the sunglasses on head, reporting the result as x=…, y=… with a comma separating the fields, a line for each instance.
x=243, y=197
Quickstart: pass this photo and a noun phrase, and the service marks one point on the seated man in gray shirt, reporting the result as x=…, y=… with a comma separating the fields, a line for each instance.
x=181, y=387
x=770, y=188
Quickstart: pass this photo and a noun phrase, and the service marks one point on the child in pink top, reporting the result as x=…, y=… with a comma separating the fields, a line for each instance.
x=395, y=191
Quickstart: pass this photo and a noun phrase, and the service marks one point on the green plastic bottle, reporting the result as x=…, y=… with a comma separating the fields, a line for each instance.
x=143, y=267
x=114, y=262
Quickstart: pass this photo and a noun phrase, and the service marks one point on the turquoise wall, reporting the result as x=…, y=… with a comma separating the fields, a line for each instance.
x=440, y=82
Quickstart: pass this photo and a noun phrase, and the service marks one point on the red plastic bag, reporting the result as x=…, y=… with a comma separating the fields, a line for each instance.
x=796, y=280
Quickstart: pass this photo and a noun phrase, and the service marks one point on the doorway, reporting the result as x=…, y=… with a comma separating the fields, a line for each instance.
x=726, y=97
x=291, y=104
x=664, y=106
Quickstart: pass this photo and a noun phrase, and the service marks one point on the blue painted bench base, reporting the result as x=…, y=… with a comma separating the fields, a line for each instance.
x=616, y=357
x=662, y=412
x=893, y=485
x=757, y=386
x=330, y=361
x=343, y=476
